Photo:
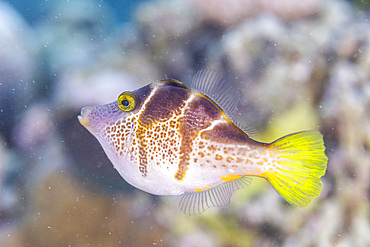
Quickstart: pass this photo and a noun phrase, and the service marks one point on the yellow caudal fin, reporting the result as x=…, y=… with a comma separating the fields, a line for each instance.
x=301, y=164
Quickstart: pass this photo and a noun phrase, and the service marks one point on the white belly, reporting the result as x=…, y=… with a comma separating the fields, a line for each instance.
x=160, y=180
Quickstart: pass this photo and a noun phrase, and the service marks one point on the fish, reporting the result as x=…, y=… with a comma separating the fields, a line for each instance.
x=168, y=139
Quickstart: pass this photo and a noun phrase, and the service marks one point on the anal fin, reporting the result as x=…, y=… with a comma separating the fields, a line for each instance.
x=193, y=203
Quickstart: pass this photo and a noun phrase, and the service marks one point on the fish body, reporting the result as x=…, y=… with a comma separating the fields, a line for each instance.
x=168, y=139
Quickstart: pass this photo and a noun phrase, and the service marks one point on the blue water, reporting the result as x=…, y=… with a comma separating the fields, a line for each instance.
x=37, y=10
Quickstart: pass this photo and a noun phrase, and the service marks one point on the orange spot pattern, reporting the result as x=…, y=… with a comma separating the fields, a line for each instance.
x=163, y=143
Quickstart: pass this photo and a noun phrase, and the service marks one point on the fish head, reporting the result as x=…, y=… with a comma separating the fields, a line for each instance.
x=115, y=124
x=120, y=126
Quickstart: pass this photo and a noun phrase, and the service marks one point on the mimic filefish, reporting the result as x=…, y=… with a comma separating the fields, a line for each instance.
x=168, y=139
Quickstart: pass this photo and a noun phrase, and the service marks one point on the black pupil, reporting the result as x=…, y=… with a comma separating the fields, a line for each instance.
x=125, y=102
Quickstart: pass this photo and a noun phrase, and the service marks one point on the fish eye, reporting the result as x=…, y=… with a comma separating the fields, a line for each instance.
x=126, y=101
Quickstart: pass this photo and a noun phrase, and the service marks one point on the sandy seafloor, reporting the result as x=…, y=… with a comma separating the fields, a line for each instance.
x=299, y=66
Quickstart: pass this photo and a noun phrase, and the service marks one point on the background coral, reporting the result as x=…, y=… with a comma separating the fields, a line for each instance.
x=299, y=66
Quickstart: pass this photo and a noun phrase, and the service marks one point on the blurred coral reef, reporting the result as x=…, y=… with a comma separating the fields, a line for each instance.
x=303, y=65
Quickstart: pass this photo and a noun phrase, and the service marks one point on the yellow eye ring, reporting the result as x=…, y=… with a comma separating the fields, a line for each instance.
x=126, y=101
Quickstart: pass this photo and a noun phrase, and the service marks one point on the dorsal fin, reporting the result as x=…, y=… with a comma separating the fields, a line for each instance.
x=250, y=131
x=194, y=203
x=213, y=84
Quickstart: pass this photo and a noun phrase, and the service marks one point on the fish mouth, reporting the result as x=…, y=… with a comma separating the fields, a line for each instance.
x=82, y=118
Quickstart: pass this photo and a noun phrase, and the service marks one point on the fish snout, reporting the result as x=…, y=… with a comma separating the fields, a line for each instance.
x=94, y=118
x=83, y=118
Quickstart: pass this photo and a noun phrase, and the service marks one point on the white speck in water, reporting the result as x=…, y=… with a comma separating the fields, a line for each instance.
x=231, y=170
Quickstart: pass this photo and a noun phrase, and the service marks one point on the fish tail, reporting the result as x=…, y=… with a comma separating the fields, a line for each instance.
x=301, y=163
